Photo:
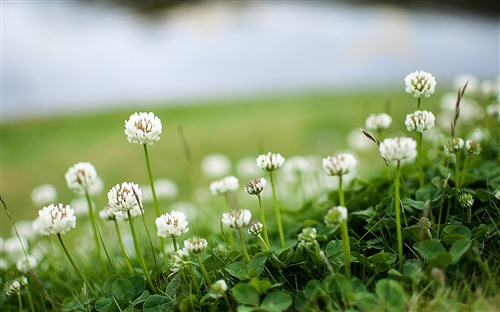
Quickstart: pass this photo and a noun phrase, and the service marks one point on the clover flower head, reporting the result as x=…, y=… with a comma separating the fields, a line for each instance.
x=453, y=146
x=13, y=288
x=490, y=88
x=80, y=177
x=308, y=235
x=473, y=148
x=336, y=215
x=466, y=200
x=124, y=197
x=378, y=122
x=270, y=161
x=420, y=84
x=339, y=164
x=56, y=219
x=419, y=121
x=236, y=218
x=479, y=134
x=23, y=280
x=255, y=227
x=424, y=223
x=296, y=165
x=143, y=128
x=218, y=289
x=107, y=214
x=172, y=224
x=44, y=194
x=195, y=244
x=180, y=259
x=497, y=194
x=224, y=186
x=216, y=165
x=398, y=148
x=255, y=186
x=493, y=110
x=123, y=215
x=25, y=264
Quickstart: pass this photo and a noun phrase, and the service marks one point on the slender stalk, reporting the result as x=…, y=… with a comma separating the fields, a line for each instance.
x=263, y=219
x=418, y=103
x=20, y=301
x=30, y=300
x=464, y=167
x=398, y=216
x=139, y=253
x=231, y=234
x=243, y=246
x=174, y=240
x=263, y=242
x=203, y=271
x=457, y=170
x=345, y=234
x=193, y=276
x=420, y=160
x=122, y=247
x=153, y=192
x=94, y=228
x=84, y=279
x=277, y=211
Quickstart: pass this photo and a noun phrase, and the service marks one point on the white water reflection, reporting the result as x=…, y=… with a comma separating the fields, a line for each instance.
x=60, y=57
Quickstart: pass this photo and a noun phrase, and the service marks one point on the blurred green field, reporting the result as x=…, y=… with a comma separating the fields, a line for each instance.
x=40, y=151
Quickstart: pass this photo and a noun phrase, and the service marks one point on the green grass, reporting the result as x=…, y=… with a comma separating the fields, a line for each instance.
x=37, y=151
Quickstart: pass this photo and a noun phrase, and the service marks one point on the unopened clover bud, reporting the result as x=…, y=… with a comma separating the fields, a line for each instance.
x=336, y=215
x=307, y=235
x=255, y=227
x=466, y=200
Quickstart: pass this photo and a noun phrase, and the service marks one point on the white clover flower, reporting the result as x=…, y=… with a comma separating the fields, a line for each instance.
x=378, y=122
x=339, y=164
x=25, y=229
x=336, y=215
x=473, y=148
x=216, y=165
x=296, y=165
x=43, y=194
x=56, y=219
x=255, y=227
x=81, y=206
x=398, y=148
x=419, y=121
x=466, y=200
x=172, y=224
x=80, y=177
x=308, y=235
x=255, y=186
x=107, y=214
x=143, y=128
x=4, y=264
x=225, y=185
x=124, y=197
x=490, y=88
x=23, y=280
x=453, y=146
x=270, y=161
x=13, y=288
x=13, y=247
x=236, y=218
x=123, y=215
x=493, y=110
x=218, y=289
x=479, y=134
x=420, y=84
x=25, y=264
x=497, y=194
x=195, y=244
x=180, y=259
x=164, y=188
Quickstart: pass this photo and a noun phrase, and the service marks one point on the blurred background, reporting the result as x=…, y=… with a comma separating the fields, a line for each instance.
x=232, y=77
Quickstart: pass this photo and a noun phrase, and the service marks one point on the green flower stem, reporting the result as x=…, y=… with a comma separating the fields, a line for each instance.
x=138, y=252
x=174, y=240
x=227, y=302
x=193, y=276
x=418, y=103
x=419, y=160
x=30, y=300
x=20, y=301
x=457, y=171
x=469, y=215
x=84, y=279
x=94, y=228
x=263, y=219
x=263, y=242
x=203, y=271
x=464, y=167
x=398, y=216
x=153, y=192
x=277, y=211
x=243, y=246
x=346, y=248
x=122, y=247
x=345, y=233
x=231, y=237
